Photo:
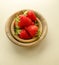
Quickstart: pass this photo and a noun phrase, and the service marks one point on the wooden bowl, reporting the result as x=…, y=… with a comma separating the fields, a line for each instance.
x=9, y=29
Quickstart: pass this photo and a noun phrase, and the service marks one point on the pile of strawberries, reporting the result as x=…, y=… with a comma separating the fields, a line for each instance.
x=26, y=24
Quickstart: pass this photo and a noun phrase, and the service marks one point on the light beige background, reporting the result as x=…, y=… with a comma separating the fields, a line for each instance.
x=47, y=53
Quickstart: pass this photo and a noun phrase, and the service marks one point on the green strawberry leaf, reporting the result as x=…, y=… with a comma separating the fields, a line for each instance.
x=17, y=19
x=25, y=13
x=38, y=33
x=17, y=30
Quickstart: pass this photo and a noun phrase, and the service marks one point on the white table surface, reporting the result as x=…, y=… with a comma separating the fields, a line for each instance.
x=47, y=53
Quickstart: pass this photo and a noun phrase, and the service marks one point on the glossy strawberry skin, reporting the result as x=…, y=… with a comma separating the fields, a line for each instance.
x=24, y=35
x=32, y=29
x=24, y=21
x=31, y=15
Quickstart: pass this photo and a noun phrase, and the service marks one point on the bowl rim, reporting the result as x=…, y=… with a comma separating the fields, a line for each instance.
x=8, y=32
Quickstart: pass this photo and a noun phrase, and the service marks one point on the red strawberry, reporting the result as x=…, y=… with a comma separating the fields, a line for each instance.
x=31, y=15
x=32, y=30
x=24, y=35
x=24, y=21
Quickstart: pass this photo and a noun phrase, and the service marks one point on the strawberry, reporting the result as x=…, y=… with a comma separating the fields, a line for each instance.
x=32, y=30
x=24, y=21
x=24, y=35
x=31, y=15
